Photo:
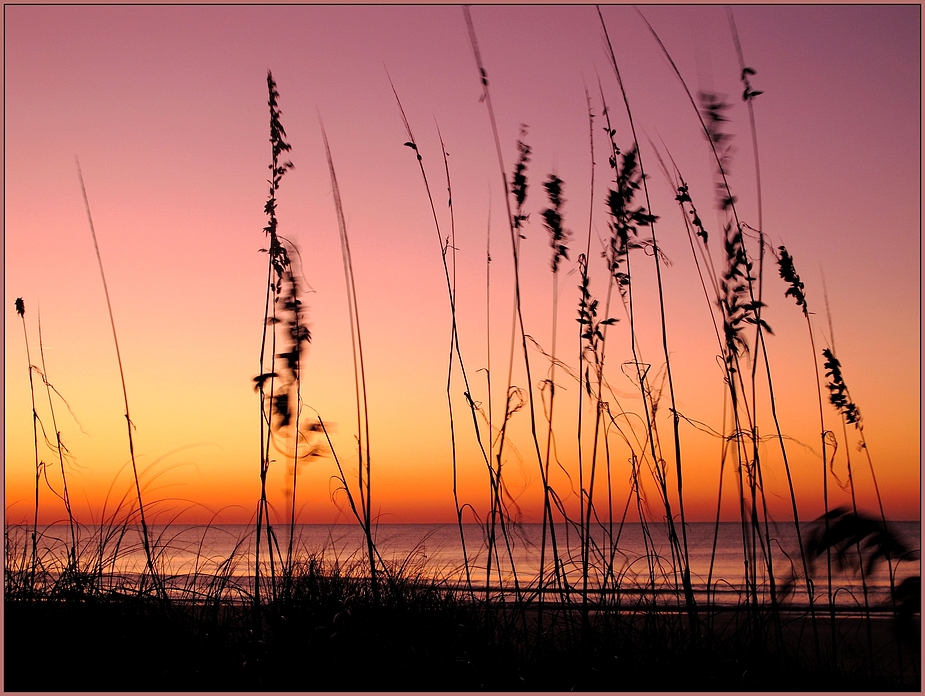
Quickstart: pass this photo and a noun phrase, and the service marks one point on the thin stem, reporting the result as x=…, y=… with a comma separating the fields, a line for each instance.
x=128, y=421
x=60, y=448
x=688, y=590
x=365, y=489
x=35, y=436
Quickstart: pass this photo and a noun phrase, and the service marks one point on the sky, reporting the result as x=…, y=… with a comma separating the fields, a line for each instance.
x=166, y=109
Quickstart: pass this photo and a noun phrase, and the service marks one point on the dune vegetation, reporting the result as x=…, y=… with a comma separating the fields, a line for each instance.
x=278, y=616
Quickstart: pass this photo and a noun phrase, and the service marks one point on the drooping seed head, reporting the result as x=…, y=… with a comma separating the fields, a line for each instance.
x=789, y=275
x=838, y=390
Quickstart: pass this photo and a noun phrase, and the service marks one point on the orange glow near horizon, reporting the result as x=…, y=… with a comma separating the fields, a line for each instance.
x=171, y=127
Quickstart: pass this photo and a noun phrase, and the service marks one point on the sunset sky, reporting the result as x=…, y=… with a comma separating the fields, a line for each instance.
x=166, y=108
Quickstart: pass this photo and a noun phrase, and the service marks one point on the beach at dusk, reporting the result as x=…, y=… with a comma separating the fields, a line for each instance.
x=489, y=347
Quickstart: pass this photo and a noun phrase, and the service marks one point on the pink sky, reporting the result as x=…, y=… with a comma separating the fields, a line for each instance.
x=166, y=108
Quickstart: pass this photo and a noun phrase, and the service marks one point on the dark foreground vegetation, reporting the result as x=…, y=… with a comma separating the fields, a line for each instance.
x=333, y=631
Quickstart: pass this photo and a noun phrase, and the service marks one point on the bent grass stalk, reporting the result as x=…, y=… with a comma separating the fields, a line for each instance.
x=365, y=488
x=454, y=343
x=342, y=477
x=158, y=585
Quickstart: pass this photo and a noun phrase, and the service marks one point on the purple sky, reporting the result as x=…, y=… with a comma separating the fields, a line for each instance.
x=166, y=108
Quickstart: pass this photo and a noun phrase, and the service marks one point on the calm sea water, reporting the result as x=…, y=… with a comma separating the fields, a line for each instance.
x=641, y=563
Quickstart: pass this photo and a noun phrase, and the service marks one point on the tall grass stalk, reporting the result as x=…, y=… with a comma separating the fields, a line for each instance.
x=703, y=262
x=448, y=246
x=751, y=308
x=647, y=219
x=21, y=311
x=796, y=290
x=513, y=394
x=272, y=403
x=740, y=306
x=593, y=341
x=454, y=348
x=736, y=281
x=594, y=336
x=605, y=323
x=515, y=221
x=365, y=486
x=748, y=96
x=558, y=236
x=158, y=585
x=587, y=330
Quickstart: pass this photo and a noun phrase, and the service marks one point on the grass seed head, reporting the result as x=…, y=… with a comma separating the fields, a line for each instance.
x=789, y=275
x=838, y=390
x=552, y=217
x=519, y=181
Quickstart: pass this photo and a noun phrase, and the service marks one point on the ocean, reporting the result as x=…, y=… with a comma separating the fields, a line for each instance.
x=637, y=563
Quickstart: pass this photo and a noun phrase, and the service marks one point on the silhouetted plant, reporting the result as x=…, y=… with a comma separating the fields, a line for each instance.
x=789, y=275
x=847, y=529
x=275, y=404
x=158, y=585
x=643, y=218
x=295, y=338
x=21, y=311
x=838, y=391
x=359, y=371
x=851, y=415
x=684, y=197
x=312, y=588
x=558, y=235
x=519, y=179
x=714, y=109
x=448, y=246
x=625, y=220
x=60, y=449
x=518, y=189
